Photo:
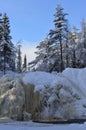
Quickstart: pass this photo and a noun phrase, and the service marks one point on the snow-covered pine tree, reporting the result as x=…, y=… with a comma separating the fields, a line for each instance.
x=83, y=53
x=25, y=64
x=19, y=59
x=50, y=50
x=84, y=33
x=58, y=35
x=41, y=61
x=81, y=48
x=7, y=49
x=46, y=55
x=1, y=30
x=66, y=49
x=73, y=47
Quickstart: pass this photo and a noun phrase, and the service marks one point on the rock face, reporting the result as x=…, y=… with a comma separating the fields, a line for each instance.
x=59, y=102
x=29, y=95
x=12, y=98
x=17, y=100
x=32, y=101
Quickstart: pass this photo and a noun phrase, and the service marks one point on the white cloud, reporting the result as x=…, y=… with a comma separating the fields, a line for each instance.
x=29, y=49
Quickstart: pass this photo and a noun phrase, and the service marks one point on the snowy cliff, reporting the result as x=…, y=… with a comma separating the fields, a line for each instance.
x=44, y=96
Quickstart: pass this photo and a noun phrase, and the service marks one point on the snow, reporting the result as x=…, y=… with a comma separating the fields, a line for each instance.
x=68, y=87
x=59, y=93
x=39, y=79
x=12, y=96
x=75, y=78
x=37, y=126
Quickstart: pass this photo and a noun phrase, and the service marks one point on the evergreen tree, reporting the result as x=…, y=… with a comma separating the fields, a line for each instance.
x=40, y=63
x=1, y=29
x=50, y=50
x=7, y=49
x=1, y=33
x=19, y=59
x=81, y=47
x=25, y=63
x=84, y=33
x=58, y=35
x=73, y=43
x=66, y=49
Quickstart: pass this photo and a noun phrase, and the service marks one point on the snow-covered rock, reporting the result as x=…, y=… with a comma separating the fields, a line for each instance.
x=12, y=97
x=44, y=96
x=62, y=95
x=78, y=77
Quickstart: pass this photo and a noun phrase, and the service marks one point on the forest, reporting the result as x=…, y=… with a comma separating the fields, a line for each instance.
x=63, y=47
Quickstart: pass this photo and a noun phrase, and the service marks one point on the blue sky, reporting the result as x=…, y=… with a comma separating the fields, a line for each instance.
x=31, y=20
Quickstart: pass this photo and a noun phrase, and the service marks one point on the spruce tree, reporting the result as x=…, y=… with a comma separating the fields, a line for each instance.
x=1, y=30
x=50, y=50
x=58, y=35
x=25, y=63
x=84, y=33
x=19, y=59
x=73, y=47
x=1, y=33
x=7, y=49
x=81, y=48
